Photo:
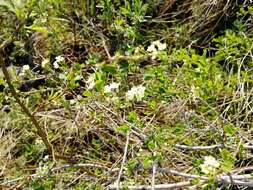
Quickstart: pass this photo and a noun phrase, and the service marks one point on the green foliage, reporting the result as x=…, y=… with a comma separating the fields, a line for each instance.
x=204, y=76
x=123, y=129
x=227, y=160
x=230, y=130
x=92, y=55
x=234, y=48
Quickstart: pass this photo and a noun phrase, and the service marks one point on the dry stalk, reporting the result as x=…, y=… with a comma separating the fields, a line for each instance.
x=41, y=132
x=123, y=162
x=153, y=173
x=233, y=178
x=199, y=148
x=157, y=187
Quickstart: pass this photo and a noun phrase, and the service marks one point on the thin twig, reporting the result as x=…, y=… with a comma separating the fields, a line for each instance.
x=153, y=173
x=224, y=179
x=106, y=48
x=185, y=147
x=221, y=178
x=218, y=178
x=123, y=161
x=243, y=169
x=41, y=132
x=87, y=165
x=58, y=169
x=134, y=129
x=177, y=173
x=157, y=187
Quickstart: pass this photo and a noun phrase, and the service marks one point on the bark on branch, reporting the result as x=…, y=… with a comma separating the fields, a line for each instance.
x=40, y=130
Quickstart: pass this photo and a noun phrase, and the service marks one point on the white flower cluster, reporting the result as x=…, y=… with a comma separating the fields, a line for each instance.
x=45, y=62
x=91, y=82
x=25, y=70
x=113, y=86
x=58, y=59
x=42, y=170
x=155, y=47
x=136, y=92
x=210, y=165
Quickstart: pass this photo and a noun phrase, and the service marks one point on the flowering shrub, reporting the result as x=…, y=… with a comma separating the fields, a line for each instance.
x=210, y=165
x=136, y=92
x=91, y=82
x=113, y=86
x=118, y=94
x=59, y=59
x=155, y=47
x=25, y=69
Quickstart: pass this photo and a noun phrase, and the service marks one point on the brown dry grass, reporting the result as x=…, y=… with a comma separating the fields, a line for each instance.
x=200, y=19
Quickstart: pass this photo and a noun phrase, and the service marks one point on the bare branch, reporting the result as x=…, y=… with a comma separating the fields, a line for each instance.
x=41, y=132
x=123, y=161
x=185, y=147
x=157, y=187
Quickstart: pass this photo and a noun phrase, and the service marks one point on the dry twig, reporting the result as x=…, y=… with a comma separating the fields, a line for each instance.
x=41, y=132
x=123, y=161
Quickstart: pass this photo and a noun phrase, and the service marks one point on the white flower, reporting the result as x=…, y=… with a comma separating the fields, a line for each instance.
x=210, y=165
x=152, y=48
x=111, y=87
x=115, y=85
x=24, y=70
x=56, y=65
x=113, y=99
x=154, y=55
x=43, y=169
x=46, y=158
x=72, y=102
x=91, y=82
x=78, y=77
x=162, y=47
x=135, y=92
x=59, y=58
x=198, y=70
x=45, y=62
x=156, y=46
x=107, y=89
x=159, y=45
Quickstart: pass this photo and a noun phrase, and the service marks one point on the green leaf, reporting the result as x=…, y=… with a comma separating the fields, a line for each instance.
x=152, y=104
x=147, y=162
x=87, y=93
x=228, y=160
x=230, y=130
x=124, y=65
x=132, y=116
x=179, y=128
x=6, y=4
x=132, y=163
x=38, y=29
x=123, y=129
x=151, y=145
x=125, y=11
x=109, y=69
x=96, y=143
x=195, y=181
x=119, y=22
